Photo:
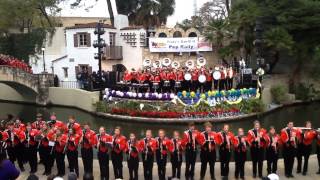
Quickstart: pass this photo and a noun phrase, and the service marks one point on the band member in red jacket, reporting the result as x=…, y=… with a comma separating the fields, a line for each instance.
x=272, y=154
x=190, y=144
x=103, y=145
x=148, y=146
x=176, y=155
x=289, y=137
x=60, y=145
x=305, y=147
x=4, y=136
x=72, y=150
x=240, y=153
x=133, y=157
x=256, y=139
x=10, y=142
x=161, y=153
x=119, y=144
x=46, y=148
x=72, y=124
x=224, y=141
x=208, y=151
x=31, y=147
x=209, y=79
x=39, y=122
x=88, y=142
x=194, y=78
x=318, y=150
x=230, y=75
x=18, y=124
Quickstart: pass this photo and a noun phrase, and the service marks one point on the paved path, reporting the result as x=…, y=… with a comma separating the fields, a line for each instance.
x=313, y=167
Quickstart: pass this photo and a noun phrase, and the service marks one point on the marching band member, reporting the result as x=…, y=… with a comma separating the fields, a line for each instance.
x=118, y=147
x=104, y=142
x=72, y=149
x=240, y=153
x=149, y=145
x=31, y=147
x=190, y=143
x=39, y=122
x=133, y=157
x=305, y=147
x=60, y=145
x=256, y=139
x=208, y=150
x=222, y=82
x=230, y=75
x=224, y=140
x=273, y=142
x=180, y=78
x=318, y=150
x=172, y=78
x=4, y=136
x=127, y=76
x=209, y=79
x=46, y=148
x=134, y=76
x=88, y=141
x=18, y=124
x=216, y=81
x=176, y=155
x=194, y=78
x=72, y=124
x=289, y=136
x=56, y=124
x=163, y=78
x=15, y=145
x=161, y=153
x=10, y=142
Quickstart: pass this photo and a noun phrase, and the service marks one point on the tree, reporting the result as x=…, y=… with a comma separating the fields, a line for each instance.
x=195, y=22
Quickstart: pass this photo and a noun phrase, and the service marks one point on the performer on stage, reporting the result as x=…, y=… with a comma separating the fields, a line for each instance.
x=240, y=153
x=289, y=137
x=209, y=79
x=148, y=146
x=72, y=149
x=118, y=147
x=180, y=79
x=208, y=150
x=194, y=78
x=176, y=155
x=305, y=147
x=60, y=145
x=133, y=157
x=161, y=153
x=256, y=139
x=172, y=78
x=230, y=75
x=32, y=147
x=190, y=143
x=89, y=140
x=273, y=142
x=103, y=144
x=224, y=140
x=222, y=82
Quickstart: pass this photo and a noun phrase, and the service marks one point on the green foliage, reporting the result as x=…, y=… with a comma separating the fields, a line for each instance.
x=101, y=106
x=306, y=92
x=252, y=106
x=279, y=94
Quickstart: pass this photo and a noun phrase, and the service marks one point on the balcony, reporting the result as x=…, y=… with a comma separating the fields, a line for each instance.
x=113, y=53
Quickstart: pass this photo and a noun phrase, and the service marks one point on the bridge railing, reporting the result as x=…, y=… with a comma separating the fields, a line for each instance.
x=70, y=84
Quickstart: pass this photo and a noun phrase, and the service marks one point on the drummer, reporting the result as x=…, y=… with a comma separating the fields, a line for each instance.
x=180, y=79
x=164, y=79
x=216, y=79
x=194, y=78
x=209, y=79
x=201, y=84
x=172, y=78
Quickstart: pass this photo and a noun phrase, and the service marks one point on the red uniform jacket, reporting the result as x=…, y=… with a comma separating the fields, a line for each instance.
x=133, y=149
x=172, y=76
x=76, y=127
x=61, y=143
x=308, y=136
x=60, y=125
x=165, y=143
x=262, y=133
x=148, y=146
x=104, y=141
x=224, y=139
x=290, y=139
x=30, y=137
x=239, y=143
x=223, y=74
x=189, y=139
x=5, y=135
x=273, y=142
x=207, y=140
x=164, y=76
x=38, y=125
x=89, y=139
x=20, y=126
x=230, y=73
x=195, y=75
x=119, y=144
x=142, y=77
x=127, y=76
x=209, y=77
x=73, y=142
x=180, y=76
x=175, y=145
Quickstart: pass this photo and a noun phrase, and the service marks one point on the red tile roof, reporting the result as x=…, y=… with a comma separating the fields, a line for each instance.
x=132, y=28
x=89, y=25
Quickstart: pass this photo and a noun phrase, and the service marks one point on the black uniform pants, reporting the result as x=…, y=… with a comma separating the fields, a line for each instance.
x=19, y=154
x=117, y=164
x=240, y=159
x=48, y=158
x=11, y=154
x=215, y=84
x=206, y=157
x=73, y=161
x=103, y=158
x=190, y=156
x=257, y=156
x=208, y=86
x=318, y=156
x=230, y=83
x=222, y=84
x=303, y=151
x=147, y=165
x=272, y=160
x=176, y=162
x=133, y=165
x=87, y=159
x=224, y=161
x=32, y=157
x=289, y=154
x=60, y=163
x=161, y=162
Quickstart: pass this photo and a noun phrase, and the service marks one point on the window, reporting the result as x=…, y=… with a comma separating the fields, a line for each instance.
x=177, y=34
x=83, y=40
x=65, y=72
x=193, y=34
x=162, y=35
x=112, y=39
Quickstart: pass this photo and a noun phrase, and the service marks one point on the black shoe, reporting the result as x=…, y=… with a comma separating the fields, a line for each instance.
x=291, y=176
x=254, y=176
x=287, y=176
x=298, y=172
x=304, y=173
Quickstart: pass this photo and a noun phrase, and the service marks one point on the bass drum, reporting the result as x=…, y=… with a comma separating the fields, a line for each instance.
x=187, y=77
x=216, y=75
x=202, y=78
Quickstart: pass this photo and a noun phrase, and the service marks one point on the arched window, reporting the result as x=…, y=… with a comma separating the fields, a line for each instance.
x=162, y=35
x=177, y=34
x=193, y=34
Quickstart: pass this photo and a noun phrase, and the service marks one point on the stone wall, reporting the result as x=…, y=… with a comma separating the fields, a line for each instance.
x=8, y=93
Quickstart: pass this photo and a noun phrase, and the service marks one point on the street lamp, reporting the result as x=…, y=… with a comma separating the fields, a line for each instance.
x=44, y=62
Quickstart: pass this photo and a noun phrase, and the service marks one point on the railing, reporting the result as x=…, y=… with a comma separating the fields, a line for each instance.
x=113, y=53
x=70, y=84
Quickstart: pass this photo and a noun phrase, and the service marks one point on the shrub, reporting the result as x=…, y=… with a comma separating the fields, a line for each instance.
x=279, y=94
x=101, y=106
x=252, y=106
x=305, y=92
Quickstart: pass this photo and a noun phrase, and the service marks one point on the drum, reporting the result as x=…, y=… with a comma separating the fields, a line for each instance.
x=166, y=83
x=202, y=78
x=177, y=84
x=216, y=75
x=187, y=76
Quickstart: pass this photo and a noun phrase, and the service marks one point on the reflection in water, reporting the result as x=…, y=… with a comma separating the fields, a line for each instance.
x=298, y=114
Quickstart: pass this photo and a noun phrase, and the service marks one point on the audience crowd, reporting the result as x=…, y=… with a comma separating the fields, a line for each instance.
x=14, y=62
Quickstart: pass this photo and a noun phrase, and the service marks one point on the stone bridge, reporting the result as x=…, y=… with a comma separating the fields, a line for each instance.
x=27, y=84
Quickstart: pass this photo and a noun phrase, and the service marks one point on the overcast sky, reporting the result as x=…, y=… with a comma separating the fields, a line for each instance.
x=184, y=9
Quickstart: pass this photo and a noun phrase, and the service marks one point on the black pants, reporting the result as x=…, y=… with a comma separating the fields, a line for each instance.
x=32, y=156
x=222, y=84
x=172, y=84
x=87, y=160
x=230, y=83
x=318, y=156
x=103, y=158
x=289, y=154
x=133, y=165
x=240, y=159
x=215, y=84
x=208, y=86
x=176, y=162
x=147, y=166
x=272, y=160
x=195, y=85
x=303, y=151
x=48, y=158
x=224, y=161
x=73, y=161
x=190, y=156
x=11, y=154
x=117, y=164
x=60, y=163
x=19, y=154
x=207, y=157
x=161, y=162
x=257, y=157
x=187, y=85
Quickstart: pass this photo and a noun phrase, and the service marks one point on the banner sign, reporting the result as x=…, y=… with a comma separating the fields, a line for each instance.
x=189, y=44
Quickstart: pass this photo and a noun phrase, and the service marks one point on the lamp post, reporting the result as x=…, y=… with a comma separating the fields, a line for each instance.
x=100, y=44
x=44, y=62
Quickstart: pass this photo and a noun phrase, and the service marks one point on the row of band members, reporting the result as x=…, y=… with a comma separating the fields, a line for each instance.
x=21, y=141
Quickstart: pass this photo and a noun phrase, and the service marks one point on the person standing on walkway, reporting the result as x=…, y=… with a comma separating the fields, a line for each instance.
x=224, y=140
x=89, y=140
x=162, y=153
x=72, y=150
x=289, y=137
x=31, y=147
x=272, y=152
x=240, y=153
x=148, y=146
x=119, y=144
x=103, y=144
x=176, y=155
x=133, y=157
x=60, y=143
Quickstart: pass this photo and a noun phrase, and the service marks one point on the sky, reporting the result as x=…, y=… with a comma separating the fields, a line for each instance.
x=184, y=10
